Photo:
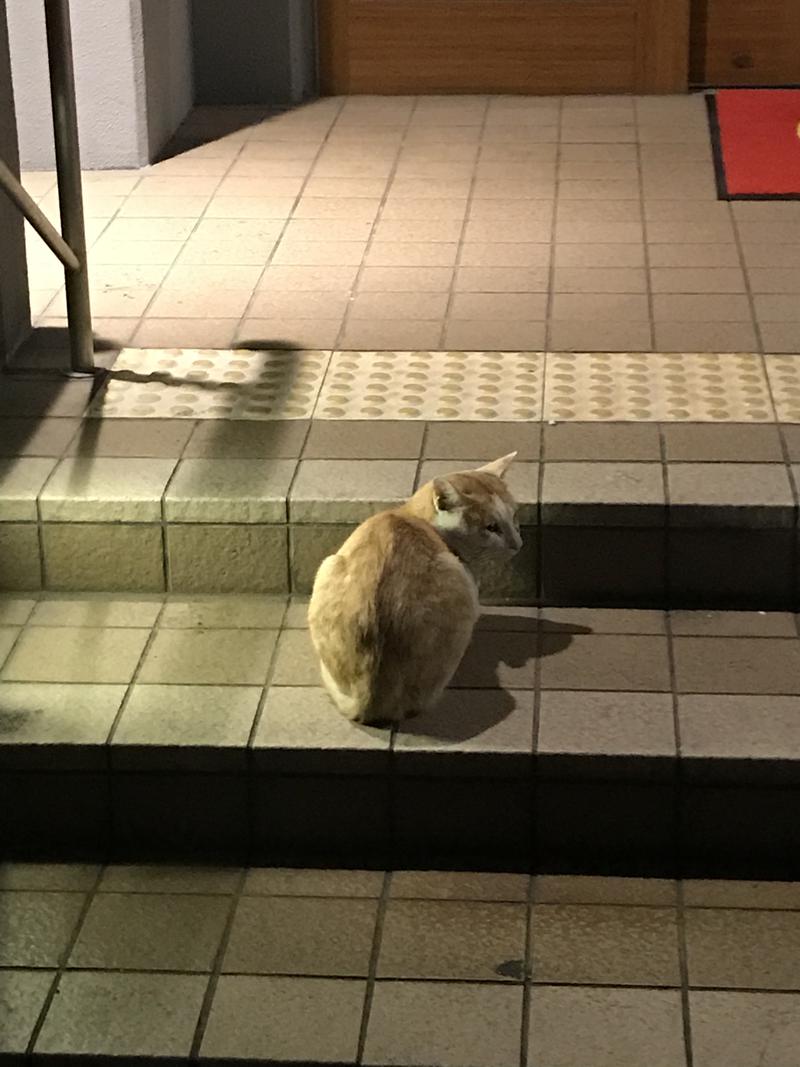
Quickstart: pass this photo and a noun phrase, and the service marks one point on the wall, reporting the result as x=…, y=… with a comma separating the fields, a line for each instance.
x=253, y=51
x=109, y=82
x=169, y=88
x=15, y=321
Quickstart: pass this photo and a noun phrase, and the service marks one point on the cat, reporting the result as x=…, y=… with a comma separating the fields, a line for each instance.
x=391, y=614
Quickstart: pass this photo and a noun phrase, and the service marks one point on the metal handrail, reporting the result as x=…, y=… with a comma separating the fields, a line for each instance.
x=37, y=218
x=71, y=247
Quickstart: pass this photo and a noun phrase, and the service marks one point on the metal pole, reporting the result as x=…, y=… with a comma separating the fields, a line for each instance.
x=37, y=218
x=68, y=168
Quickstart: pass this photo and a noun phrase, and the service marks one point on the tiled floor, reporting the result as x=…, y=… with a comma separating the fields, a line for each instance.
x=471, y=223
x=407, y=968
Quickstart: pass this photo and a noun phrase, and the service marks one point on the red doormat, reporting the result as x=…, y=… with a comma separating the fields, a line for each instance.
x=756, y=135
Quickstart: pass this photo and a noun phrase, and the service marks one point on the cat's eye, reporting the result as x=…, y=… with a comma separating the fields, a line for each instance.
x=493, y=528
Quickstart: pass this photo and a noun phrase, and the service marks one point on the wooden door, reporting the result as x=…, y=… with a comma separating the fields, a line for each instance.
x=745, y=42
x=503, y=46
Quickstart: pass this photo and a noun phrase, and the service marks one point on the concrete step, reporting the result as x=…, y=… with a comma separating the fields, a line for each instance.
x=216, y=507
x=572, y=740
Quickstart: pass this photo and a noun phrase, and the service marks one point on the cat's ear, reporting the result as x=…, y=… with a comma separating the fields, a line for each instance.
x=445, y=495
x=498, y=467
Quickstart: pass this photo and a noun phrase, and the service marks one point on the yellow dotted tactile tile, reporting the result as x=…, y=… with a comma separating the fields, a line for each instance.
x=477, y=386
x=203, y=384
x=656, y=387
x=783, y=373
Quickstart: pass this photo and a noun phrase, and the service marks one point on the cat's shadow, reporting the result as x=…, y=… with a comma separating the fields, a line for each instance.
x=500, y=660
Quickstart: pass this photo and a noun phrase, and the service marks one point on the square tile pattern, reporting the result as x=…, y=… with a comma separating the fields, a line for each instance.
x=321, y=967
x=430, y=226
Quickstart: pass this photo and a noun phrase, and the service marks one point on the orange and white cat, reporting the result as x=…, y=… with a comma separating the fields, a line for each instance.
x=393, y=611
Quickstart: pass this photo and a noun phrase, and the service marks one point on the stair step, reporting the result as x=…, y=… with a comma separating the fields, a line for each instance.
x=174, y=965
x=572, y=740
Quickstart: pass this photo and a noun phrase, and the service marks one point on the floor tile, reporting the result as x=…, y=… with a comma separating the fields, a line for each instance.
x=440, y=939
x=405, y=279
x=567, y=336
x=285, y=1019
x=160, y=932
x=783, y=373
x=296, y=661
x=37, y=437
x=590, y=441
x=106, y=490
x=692, y=255
x=738, y=1029
x=37, y=927
x=600, y=280
x=605, y=662
x=299, y=723
x=627, y=494
x=364, y=440
x=604, y=945
x=37, y=717
x=585, y=889
x=595, y=256
x=743, y=494
x=607, y=1027
x=46, y=876
x=419, y=1023
x=497, y=659
x=393, y=306
x=623, y=307
x=229, y=490
x=706, y=337
x=22, y=997
x=743, y=949
x=185, y=718
x=254, y=384
x=663, y=387
x=459, y=885
x=494, y=335
x=329, y=491
x=82, y=654
x=137, y=878
x=739, y=727
x=21, y=482
x=214, y=439
x=210, y=657
x=294, y=935
x=732, y=624
x=96, y=609
x=96, y=1014
x=729, y=444
x=388, y=333
x=229, y=612
x=139, y=438
x=462, y=441
x=285, y=882
x=736, y=665
x=185, y=332
x=602, y=621
x=613, y=724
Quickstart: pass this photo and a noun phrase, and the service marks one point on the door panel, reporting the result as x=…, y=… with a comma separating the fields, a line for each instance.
x=745, y=42
x=503, y=46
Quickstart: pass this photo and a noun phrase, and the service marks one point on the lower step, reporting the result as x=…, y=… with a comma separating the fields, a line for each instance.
x=572, y=740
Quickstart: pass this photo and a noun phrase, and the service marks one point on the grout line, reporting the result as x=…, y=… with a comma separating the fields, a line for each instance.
x=646, y=247
x=451, y=295
x=527, y=983
x=683, y=960
x=748, y=288
x=378, y=215
x=62, y=964
x=213, y=981
x=383, y=902
x=551, y=274
x=129, y=691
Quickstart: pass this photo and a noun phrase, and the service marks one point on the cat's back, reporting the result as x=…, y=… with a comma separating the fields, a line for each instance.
x=392, y=561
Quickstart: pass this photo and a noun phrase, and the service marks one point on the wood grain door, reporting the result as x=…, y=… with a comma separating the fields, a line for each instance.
x=503, y=46
x=745, y=42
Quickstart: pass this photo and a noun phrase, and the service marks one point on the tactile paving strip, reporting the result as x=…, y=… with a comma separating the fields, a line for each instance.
x=200, y=384
x=783, y=373
x=656, y=387
x=476, y=386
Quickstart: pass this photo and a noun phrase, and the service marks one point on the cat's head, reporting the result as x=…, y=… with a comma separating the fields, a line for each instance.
x=475, y=512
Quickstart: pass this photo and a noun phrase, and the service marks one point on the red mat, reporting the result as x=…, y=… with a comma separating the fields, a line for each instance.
x=757, y=143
